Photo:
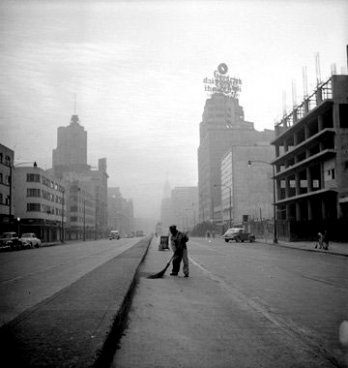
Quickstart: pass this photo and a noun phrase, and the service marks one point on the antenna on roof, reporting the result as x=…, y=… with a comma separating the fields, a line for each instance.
x=305, y=82
x=317, y=67
x=284, y=102
x=294, y=94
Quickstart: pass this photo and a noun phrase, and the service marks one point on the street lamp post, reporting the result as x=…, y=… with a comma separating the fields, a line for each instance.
x=84, y=219
x=84, y=216
x=230, y=190
x=62, y=234
x=202, y=205
x=10, y=192
x=18, y=226
x=275, y=236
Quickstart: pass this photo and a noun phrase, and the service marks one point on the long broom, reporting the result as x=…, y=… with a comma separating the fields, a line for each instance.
x=160, y=274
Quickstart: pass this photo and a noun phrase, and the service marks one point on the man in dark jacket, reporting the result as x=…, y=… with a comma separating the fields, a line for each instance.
x=178, y=242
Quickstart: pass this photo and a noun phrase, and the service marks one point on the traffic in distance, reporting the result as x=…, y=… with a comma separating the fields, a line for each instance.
x=238, y=234
x=115, y=234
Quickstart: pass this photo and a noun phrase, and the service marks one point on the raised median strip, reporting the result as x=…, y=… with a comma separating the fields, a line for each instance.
x=78, y=326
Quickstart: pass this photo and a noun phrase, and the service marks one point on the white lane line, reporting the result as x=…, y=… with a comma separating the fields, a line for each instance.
x=11, y=280
x=308, y=337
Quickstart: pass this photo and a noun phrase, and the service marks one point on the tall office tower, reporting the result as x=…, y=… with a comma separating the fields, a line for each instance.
x=222, y=126
x=71, y=151
x=69, y=161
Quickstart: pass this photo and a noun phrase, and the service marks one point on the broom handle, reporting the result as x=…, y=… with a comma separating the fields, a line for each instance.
x=171, y=259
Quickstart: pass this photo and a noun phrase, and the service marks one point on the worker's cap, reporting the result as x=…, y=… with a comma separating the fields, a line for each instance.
x=172, y=228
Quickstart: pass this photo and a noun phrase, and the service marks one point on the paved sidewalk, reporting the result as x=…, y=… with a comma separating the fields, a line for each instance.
x=334, y=247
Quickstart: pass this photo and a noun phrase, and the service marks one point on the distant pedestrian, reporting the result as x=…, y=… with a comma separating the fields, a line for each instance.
x=208, y=236
x=178, y=242
x=325, y=240
x=319, y=243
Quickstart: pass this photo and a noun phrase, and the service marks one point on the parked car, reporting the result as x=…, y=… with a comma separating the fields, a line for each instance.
x=238, y=234
x=139, y=233
x=114, y=234
x=30, y=240
x=10, y=239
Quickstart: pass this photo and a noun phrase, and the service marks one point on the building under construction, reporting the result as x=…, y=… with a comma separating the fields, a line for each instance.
x=311, y=164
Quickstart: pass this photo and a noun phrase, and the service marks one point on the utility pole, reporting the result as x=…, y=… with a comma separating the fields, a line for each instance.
x=84, y=219
x=62, y=235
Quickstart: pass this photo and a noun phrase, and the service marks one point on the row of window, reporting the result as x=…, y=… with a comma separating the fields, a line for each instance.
x=36, y=178
x=38, y=193
x=38, y=207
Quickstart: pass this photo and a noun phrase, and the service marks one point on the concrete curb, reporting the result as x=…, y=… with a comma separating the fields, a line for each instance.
x=119, y=324
x=280, y=244
x=78, y=326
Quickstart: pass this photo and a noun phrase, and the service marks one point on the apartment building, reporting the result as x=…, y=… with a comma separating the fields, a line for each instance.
x=6, y=206
x=246, y=190
x=38, y=200
x=81, y=210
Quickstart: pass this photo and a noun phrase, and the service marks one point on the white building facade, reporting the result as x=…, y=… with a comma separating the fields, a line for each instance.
x=249, y=188
x=39, y=203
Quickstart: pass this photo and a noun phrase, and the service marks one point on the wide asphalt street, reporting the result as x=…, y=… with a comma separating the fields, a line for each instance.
x=28, y=277
x=244, y=305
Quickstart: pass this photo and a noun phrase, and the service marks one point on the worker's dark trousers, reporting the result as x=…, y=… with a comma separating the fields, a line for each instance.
x=178, y=256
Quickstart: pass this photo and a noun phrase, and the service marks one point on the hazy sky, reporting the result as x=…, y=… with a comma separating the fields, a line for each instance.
x=137, y=68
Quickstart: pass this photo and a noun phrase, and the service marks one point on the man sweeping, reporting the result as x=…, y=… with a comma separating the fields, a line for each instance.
x=178, y=242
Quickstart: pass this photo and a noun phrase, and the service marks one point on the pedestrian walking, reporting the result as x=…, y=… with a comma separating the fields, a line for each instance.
x=208, y=236
x=178, y=242
x=325, y=240
x=319, y=243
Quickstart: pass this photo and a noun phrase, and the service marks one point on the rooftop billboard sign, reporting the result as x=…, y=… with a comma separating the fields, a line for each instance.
x=222, y=82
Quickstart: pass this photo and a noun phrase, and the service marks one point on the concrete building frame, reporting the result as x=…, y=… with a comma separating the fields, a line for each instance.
x=311, y=148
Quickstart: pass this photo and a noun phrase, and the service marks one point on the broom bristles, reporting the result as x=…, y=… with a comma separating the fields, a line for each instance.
x=160, y=274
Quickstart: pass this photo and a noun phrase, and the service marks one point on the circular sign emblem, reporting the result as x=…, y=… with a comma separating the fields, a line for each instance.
x=222, y=68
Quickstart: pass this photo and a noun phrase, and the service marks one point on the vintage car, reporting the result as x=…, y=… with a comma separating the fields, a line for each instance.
x=238, y=234
x=10, y=239
x=114, y=234
x=30, y=240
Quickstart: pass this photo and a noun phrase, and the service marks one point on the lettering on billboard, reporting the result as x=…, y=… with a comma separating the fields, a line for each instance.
x=222, y=83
